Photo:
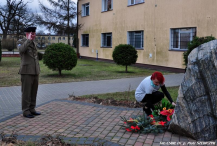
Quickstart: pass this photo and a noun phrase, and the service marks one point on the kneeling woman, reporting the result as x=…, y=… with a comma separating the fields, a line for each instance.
x=147, y=92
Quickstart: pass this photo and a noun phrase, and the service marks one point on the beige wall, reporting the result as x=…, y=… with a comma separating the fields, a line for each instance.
x=155, y=18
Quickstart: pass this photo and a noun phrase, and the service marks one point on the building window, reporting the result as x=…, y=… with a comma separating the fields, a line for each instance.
x=39, y=38
x=59, y=38
x=180, y=37
x=106, y=40
x=107, y=5
x=85, y=9
x=133, y=2
x=135, y=38
x=85, y=40
x=43, y=38
x=53, y=38
x=63, y=38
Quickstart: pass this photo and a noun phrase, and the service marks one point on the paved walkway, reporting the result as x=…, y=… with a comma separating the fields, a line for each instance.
x=80, y=123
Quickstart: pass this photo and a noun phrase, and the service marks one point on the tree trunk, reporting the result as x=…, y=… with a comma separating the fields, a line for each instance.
x=126, y=68
x=60, y=74
x=4, y=35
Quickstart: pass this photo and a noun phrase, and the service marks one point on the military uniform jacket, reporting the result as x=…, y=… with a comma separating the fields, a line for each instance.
x=29, y=57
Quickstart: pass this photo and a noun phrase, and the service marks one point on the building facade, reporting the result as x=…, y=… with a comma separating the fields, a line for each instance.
x=42, y=40
x=159, y=29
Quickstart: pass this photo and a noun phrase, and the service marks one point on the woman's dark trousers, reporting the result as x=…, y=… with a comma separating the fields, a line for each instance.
x=150, y=100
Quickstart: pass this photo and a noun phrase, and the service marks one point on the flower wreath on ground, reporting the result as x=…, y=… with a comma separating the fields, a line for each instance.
x=158, y=122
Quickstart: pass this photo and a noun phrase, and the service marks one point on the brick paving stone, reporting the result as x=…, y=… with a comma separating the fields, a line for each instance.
x=131, y=142
x=116, y=138
x=140, y=140
x=126, y=135
x=166, y=139
x=156, y=144
x=138, y=144
x=157, y=139
x=148, y=141
x=150, y=136
x=123, y=140
x=147, y=144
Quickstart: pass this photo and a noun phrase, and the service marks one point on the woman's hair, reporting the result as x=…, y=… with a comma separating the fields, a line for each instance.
x=159, y=76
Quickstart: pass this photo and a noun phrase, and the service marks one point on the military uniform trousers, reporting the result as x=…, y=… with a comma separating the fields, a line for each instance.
x=29, y=91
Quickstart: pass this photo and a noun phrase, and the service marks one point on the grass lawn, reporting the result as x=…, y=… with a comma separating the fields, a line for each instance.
x=130, y=95
x=84, y=71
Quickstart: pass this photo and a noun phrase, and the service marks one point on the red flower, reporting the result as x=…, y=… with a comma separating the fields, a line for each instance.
x=167, y=113
x=151, y=116
x=137, y=127
x=132, y=127
x=128, y=129
x=162, y=123
x=153, y=122
x=125, y=122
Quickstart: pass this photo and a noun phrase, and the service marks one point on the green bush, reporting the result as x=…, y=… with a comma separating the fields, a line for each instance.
x=8, y=44
x=125, y=55
x=0, y=51
x=197, y=41
x=60, y=57
x=40, y=56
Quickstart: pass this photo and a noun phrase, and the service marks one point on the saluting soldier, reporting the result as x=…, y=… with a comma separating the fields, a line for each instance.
x=29, y=71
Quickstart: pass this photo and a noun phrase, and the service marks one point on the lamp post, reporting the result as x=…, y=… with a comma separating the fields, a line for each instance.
x=13, y=44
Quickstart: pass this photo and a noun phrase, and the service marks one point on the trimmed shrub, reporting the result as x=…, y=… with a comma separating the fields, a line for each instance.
x=0, y=51
x=125, y=55
x=60, y=57
x=40, y=56
x=8, y=44
x=197, y=41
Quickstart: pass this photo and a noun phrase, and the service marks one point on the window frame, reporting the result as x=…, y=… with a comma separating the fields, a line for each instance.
x=82, y=37
x=192, y=32
x=104, y=9
x=130, y=2
x=83, y=8
x=134, y=44
x=104, y=44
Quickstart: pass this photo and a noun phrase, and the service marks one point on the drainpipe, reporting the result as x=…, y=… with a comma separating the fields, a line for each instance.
x=78, y=54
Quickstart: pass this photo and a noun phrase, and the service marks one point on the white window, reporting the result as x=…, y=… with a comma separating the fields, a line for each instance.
x=133, y=2
x=180, y=37
x=85, y=9
x=107, y=5
x=106, y=40
x=85, y=40
x=135, y=38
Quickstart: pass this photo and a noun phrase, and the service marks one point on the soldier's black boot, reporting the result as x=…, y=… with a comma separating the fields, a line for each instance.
x=33, y=112
x=28, y=114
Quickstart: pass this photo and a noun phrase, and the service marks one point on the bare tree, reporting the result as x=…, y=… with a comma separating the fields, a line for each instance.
x=9, y=12
x=60, y=17
x=19, y=23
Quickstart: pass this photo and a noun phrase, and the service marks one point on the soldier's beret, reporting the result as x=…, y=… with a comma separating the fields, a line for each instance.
x=30, y=29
